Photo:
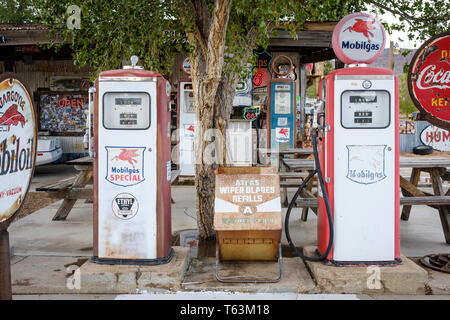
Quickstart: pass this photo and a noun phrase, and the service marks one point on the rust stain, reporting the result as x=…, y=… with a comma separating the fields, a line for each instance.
x=6, y=84
x=14, y=207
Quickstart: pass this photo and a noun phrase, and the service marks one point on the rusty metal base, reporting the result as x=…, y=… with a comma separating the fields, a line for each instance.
x=143, y=262
x=439, y=262
x=239, y=279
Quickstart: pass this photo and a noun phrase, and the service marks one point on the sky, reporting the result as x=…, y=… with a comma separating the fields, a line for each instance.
x=399, y=37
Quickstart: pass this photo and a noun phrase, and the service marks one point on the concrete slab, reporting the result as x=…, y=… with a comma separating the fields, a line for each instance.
x=37, y=234
x=44, y=275
x=406, y=278
x=214, y=295
x=109, y=279
x=201, y=276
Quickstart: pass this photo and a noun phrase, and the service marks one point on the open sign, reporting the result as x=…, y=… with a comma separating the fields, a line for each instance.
x=74, y=103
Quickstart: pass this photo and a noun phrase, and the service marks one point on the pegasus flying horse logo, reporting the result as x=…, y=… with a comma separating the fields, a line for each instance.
x=284, y=132
x=127, y=155
x=12, y=117
x=363, y=27
x=125, y=166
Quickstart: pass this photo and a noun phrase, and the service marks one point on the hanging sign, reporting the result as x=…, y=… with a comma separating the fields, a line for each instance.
x=429, y=80
x=17, y=145
x=358, y=38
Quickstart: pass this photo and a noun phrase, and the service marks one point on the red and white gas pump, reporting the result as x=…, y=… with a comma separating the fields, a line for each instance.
x=357, y=152
x=132, y=209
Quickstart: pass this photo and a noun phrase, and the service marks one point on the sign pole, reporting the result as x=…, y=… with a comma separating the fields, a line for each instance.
x=5, y=267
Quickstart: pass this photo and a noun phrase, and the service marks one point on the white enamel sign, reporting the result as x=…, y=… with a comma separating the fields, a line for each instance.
x=436, y=137
x=17, y=144
x=358, y=38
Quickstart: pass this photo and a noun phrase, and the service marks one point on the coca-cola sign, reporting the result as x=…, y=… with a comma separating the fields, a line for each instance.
x=17, y=145
x=429, y=80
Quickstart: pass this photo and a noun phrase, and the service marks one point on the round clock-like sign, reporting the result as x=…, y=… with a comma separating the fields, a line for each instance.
x=17, y=145
x=358, y=38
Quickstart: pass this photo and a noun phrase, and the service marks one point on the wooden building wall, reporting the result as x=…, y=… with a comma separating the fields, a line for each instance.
x=39, y=73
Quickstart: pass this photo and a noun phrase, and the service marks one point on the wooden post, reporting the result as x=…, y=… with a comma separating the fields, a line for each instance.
x=5, y=267
x=391, y=55
x=444, y=211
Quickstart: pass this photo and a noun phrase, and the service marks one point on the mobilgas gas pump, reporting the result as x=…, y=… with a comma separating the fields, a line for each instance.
x=356, y=151
x=281, y=113
x=132, y=210
x=186, y=127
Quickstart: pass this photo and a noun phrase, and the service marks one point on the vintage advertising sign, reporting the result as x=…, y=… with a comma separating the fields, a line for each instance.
x=437, y=138
x=125, y=165
x=366, y=163
x=186, y=66
x=247, y=202
x=358, y=38
x=429, y=80
x=17, y=145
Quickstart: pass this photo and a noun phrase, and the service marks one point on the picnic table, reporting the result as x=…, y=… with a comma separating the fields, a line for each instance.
x=76, y=187
x=412, y=195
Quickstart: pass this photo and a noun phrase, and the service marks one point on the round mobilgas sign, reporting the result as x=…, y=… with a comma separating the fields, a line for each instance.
x=429, y=80
x=187, y=66
x=125, y=206
x=17, y=145
x=358, y=38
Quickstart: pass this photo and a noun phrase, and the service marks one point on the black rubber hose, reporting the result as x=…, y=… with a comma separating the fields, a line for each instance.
x=327, y=204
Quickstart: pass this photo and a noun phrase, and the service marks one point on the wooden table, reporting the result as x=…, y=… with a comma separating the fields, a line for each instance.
x=74, y=188
x=71, y=189
x=436, y=167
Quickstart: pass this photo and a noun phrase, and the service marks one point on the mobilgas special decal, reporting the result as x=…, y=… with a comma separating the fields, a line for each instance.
x=125, y=206
x=125, y=165
x=366, y=163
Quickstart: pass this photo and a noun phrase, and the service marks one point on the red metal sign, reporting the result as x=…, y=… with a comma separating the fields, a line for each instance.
x=429, y=80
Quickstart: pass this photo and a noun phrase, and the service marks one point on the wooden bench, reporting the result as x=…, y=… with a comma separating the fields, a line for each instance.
x=64, y=189
x=431, y=201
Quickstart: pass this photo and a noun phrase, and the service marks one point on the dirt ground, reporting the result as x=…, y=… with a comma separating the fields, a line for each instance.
x=34, y=202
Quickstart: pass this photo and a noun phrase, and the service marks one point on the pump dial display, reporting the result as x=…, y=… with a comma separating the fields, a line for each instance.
x=365, y=109
x=126, y=110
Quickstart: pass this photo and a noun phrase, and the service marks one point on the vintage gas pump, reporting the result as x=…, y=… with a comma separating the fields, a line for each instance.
x=132, y=217
x=281, y=113
x=186, y=127
x=357, y=154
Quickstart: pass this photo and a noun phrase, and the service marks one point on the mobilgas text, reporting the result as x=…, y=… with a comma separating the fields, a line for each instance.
x=360, y=45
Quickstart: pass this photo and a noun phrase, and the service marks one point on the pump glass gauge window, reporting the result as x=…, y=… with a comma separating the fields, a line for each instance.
x=361, y=109
x=282, y=99
x=126, y=110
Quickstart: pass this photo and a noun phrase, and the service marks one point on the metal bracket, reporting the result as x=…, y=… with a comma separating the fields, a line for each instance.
x=239, y=279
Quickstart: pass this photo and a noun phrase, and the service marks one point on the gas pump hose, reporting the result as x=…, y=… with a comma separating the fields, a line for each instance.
x=327, y=205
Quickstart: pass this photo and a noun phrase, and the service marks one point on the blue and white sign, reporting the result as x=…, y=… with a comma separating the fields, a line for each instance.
x=125, y=166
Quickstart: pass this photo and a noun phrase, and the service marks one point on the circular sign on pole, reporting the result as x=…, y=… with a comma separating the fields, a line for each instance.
x=358, y=38
x=17, y=145
x=429, y=80
x=187, y=66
